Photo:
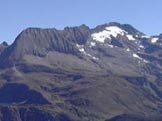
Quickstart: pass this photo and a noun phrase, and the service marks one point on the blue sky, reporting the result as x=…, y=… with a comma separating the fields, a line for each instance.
x=16, y=15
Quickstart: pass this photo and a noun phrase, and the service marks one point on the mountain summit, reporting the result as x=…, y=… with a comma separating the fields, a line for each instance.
x=109, y=72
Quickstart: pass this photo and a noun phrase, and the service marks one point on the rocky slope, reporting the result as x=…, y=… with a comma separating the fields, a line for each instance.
x=82, y=74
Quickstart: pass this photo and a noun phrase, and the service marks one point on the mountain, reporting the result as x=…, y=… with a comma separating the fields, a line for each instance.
x=110, y=72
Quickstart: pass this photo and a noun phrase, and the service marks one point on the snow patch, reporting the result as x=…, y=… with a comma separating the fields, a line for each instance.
x=136, y=56
x=89, y=55
x=79, y=46
x=145, y=36
x=141, y=46
x=130, y=37
x=127, y=49
x=136, y=36
x=101, y=36
x=114, y=31
x=154, y=40
x=92, y=44
x=111, y=46
x=82, y=50
x=93, y=57
x=108, y=33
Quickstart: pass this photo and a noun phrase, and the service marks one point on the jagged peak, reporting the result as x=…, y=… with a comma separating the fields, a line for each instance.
x=131, y=30
x=4, y=43
x=114, y=24
x=126, y=27
x=84, y=26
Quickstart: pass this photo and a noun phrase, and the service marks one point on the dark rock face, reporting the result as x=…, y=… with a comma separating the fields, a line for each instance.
x=19, y=93
x=127, y=117
x=140, y=81
x=3, y=46
x=82, y=74
x=131, y=30
x=33, y=114
x=30, y=114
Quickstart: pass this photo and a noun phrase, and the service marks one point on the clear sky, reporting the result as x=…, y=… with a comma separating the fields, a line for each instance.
x=16, y=15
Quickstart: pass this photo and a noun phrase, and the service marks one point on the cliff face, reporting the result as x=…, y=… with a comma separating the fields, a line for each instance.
x=38, y=42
